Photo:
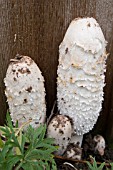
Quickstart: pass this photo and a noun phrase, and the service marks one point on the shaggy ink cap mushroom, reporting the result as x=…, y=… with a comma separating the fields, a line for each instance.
x=25, y=91
x=80, y=81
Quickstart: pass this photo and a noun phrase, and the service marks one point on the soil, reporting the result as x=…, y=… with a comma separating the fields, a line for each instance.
x=88, y=150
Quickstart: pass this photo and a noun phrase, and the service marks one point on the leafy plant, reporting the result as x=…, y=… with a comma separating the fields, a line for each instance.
x=94, y=165
x=27, y=151
x=111, y=164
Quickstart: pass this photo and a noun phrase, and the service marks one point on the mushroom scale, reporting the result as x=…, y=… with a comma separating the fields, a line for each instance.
x=25, y=91
x=80, y=81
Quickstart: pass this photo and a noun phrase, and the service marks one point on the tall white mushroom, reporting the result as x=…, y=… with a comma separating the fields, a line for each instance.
x=25, y=91
x=80, y=82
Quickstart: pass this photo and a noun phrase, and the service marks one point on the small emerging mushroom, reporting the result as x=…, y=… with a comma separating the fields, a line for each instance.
x=60, y=128
x=100, y=144
x=73, y=151
x=80, y=81
x=25, y=91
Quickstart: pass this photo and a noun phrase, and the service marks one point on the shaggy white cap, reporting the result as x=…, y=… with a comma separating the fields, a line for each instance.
x=80, y=82
x=25, y=91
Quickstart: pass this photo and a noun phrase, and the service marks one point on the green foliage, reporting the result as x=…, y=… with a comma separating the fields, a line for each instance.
x=28, y=150
x=94, y=165
x=111, y=166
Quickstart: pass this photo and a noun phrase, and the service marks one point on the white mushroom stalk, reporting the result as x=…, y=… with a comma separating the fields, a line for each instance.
x=80, y=81
x=25, y=91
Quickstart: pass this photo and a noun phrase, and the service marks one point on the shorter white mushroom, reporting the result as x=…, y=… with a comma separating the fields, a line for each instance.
x=25, y=91
x=100, y=144
x=60, y=128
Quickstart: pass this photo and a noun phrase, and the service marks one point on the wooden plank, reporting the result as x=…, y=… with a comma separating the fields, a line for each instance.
x=104, y=15
x=36, y=28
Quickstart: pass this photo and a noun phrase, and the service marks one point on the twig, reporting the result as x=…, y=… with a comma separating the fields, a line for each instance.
x=78, y=161
x=52, y=112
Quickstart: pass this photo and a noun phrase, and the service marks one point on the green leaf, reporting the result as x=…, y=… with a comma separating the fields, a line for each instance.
x=107, y=168
x=9, y=121
x=49, y=141
x=5, y=131
x=19, y=138
x=13, y=160
x=47, y=165
x=1, y=143
x=32, y=166
x=5, y=150
x=27, y=166
x=5, y=166
x=54, y=167
x=90, y=165
x=33, y=135
x=101, y=166
x=37, y=154
x=46, y=146
x=23, y=143
x=16, y=142
x=39, y=164
x=19, y=165
x=111, y=166
x=16, y=126
x=41, y=137
x=1, y=157
x=94, y=165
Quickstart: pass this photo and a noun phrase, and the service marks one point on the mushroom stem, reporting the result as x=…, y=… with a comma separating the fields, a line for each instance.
x=77, y=139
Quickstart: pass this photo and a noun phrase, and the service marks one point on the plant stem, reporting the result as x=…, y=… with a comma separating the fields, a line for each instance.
x=19, y=166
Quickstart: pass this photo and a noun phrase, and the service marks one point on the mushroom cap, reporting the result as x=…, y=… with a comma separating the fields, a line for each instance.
x=80, y=81
x=87, y=34
x=25, y=91
x=60, y=128
x=100, y=144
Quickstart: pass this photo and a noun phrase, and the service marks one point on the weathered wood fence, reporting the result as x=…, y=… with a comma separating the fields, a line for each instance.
x=36, y=28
